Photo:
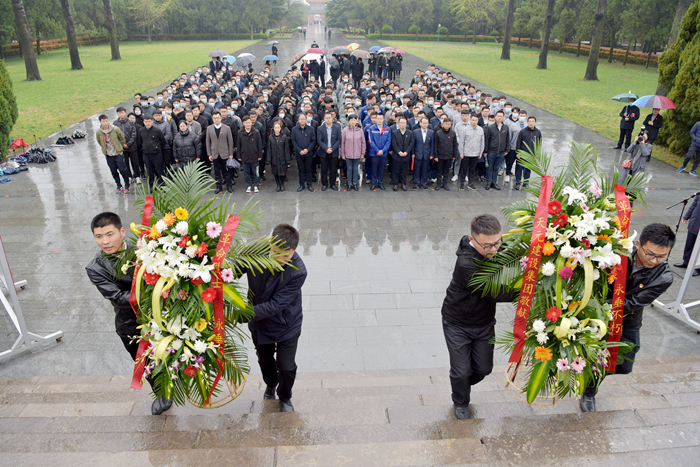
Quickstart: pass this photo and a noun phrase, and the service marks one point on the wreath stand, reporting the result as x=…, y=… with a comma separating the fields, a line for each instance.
x=26, y=340
x=678, y=309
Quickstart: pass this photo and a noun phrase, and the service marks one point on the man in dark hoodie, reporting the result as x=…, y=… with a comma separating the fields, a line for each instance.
x=468, y=318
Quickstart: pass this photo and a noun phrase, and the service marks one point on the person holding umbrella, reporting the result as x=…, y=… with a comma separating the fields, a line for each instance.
x=358, y=69
x=629, y=114
x=274, y=50
x=653, y=124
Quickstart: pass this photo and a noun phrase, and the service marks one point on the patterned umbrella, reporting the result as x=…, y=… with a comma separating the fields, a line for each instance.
x=354, y=46
x=655, y=102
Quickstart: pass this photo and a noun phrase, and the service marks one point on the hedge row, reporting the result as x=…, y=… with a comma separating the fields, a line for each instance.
x=13, y=49
x=639, y=58
x=430, y=37
x=197, y=37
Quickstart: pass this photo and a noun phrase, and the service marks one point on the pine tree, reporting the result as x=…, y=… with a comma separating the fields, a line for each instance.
x=679, y=71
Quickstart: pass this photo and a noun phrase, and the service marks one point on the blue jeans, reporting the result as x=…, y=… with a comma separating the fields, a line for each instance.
x=250, y=171
x=353, y=166
x=378, y=166
x=495, y=163
x=420, y=171
x=521, y=172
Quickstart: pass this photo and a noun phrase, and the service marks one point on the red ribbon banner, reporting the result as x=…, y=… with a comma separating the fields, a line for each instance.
x=140, y=361
x=539, y=232
x=222, y=248
x=623, y=210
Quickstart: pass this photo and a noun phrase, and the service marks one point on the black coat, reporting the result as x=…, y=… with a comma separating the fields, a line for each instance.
x=693, y=216
x=651, y=127
x=276, y=300
x=632, y=112
x=279, y=152
x=102, y=272
x=304, y=139
x=463, y=304
x=446, y=146
x=643, y=287
x=186, y=147
x=401, y=143
x=527, y=138
x=249, y=146
x=151, y=141
x=358, y=69
x=495, y=140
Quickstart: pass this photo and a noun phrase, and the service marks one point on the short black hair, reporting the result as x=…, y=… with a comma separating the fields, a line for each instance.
x=103, y=117
x=658, y=234
x=485, y=224
x=146, y=117
x=500, y=112
x=104, y=219
x=121, y=109
x=287, y=236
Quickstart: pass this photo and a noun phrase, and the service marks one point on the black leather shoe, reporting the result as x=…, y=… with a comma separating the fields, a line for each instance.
x=282, y=187
x=381, y=187
x=696, y=272
x=334, y=187
x=286, y=406
x=437, y=187
x=495, y=186
x=374, y=188
x=269, y=393
x=487, y=187
x=462, y=413
x=617, y=147
x=403, y=186
x=587, y=404
x=217, y=191
x=445, y=187
x=230, y=189
x=301, y=188
x=160, y=405
x=311, y=188
x=680, y=265
x=324, y=188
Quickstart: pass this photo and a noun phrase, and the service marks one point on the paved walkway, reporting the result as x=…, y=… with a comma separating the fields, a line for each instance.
x=378, y=262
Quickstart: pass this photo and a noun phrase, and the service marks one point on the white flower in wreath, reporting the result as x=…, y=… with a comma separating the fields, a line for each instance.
x=580, y=254
x=189, y=334
x=186, y=355
x=628, y=243
x=182, y=228
x=542, y=338
x=200, y=346
x=538, y=325
x=574, y=195
x=212, y=346
x=175, y=326
x=161, y=226
x=605, y=256
x=176, y=344
x=549, y=268
x=191, y=251
x=184, y=270
x=202, y=270
x=566, y=251
x=586, y=225
x=168, y=241
x=152, y=245
x=175, y=258
x=596, y=274
x=574, y=320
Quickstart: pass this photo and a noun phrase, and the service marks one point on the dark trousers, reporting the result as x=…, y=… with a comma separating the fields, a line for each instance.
x=399, y=169
x=693, y=151
x=154, y=165
x=521, y=173
x=481, y=167
x=131, y=159
x=356, y=82
x=250, y=172
x=420, y=171
x=305, y=165
x=125, y=324
x=221, y=172
x=443, y=171
x=510, y=159
x=167, y=157
x=378, y=166
x=468, y=168
x=471, y=358
x=495, y=162
x=626, y=135
x=117, y=166
x=329, y=166
x=689, y=245
x=280, y=370
x=630, y=333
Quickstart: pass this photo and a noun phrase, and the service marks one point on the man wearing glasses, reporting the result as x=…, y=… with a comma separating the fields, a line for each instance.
x=648, y=276
x=468, y=318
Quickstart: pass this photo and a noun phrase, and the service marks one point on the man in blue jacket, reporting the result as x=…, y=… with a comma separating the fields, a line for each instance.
x=629, y=114
x=423, y=146
x=304, y=141
x=694, y=150
x=276, y=326
x=328, y=137
x=379, y=144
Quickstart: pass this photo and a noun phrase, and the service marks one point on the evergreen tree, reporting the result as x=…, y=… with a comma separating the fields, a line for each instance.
x=8, y=110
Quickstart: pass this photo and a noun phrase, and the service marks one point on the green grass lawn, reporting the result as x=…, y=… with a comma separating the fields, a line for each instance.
x=67, y=96
x=559, y=89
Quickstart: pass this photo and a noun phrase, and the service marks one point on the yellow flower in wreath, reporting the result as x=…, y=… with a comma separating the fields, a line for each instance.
x=181, y=213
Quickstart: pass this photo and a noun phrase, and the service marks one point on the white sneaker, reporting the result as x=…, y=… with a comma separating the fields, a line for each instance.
x=247, y=190
x=500, y=172
x=256, y=190
x=454, y=179
x=506, y=179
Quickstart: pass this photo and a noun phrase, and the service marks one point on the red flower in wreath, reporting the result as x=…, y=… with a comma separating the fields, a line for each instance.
x=197, y=281
x=553, y=313
x=586, y=244
x=151, y=279
x=554, y=208
x=208, y=295
x=183, y=241
x=202, y=249
x=190, y=371
x=561, y=221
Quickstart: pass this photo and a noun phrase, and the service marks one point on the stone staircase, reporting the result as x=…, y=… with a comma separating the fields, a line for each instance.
x=367, y=419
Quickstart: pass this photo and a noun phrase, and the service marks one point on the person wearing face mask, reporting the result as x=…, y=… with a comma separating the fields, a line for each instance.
x=138, y=114
x=164, y=126
x=130, y=151
x=187, y=146
x=215, y=64
x=515, y=125
x=527, y=139
x=469, y=315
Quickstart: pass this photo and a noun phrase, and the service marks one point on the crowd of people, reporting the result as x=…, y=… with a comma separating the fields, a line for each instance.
x=434, y=131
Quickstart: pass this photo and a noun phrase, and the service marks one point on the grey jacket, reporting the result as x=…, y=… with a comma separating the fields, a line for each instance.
x=639, y=154
x=470, y=140
x=164, y=127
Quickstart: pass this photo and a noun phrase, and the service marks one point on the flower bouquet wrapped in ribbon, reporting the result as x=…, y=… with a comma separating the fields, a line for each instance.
x=189, y=250
x=567, y=252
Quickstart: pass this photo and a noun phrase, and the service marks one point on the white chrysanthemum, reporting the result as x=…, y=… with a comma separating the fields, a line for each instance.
x=566, y=250
x=200, y=346
x=152, y=245
x=538, y=325
x=542, y=337
x=191, y=251
x=596, y=274
x=182, y=228
x=161, y=226
x=548, y=268
x=184, y=270
x=176, y=344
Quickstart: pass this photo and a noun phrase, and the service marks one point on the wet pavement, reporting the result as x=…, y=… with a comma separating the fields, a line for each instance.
x=378, y=262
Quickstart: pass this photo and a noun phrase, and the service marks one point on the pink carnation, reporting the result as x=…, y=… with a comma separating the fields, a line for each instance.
x=523, y=261
x=183, y=294
x=165, y=294
x=566, y=272
x=226, y=275
x=213, y=229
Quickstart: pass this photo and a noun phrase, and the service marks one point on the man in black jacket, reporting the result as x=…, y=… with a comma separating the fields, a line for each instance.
x=131, y=156
x=692, y=218
x=276, y=326
x=249, y=149
x=648, y=276
x=496, y=146
x=402, y=149
x=446, y=151
x=468, y=318
x=304, y=142
x=151, y=140
x=115, y=286
x=526, y=141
